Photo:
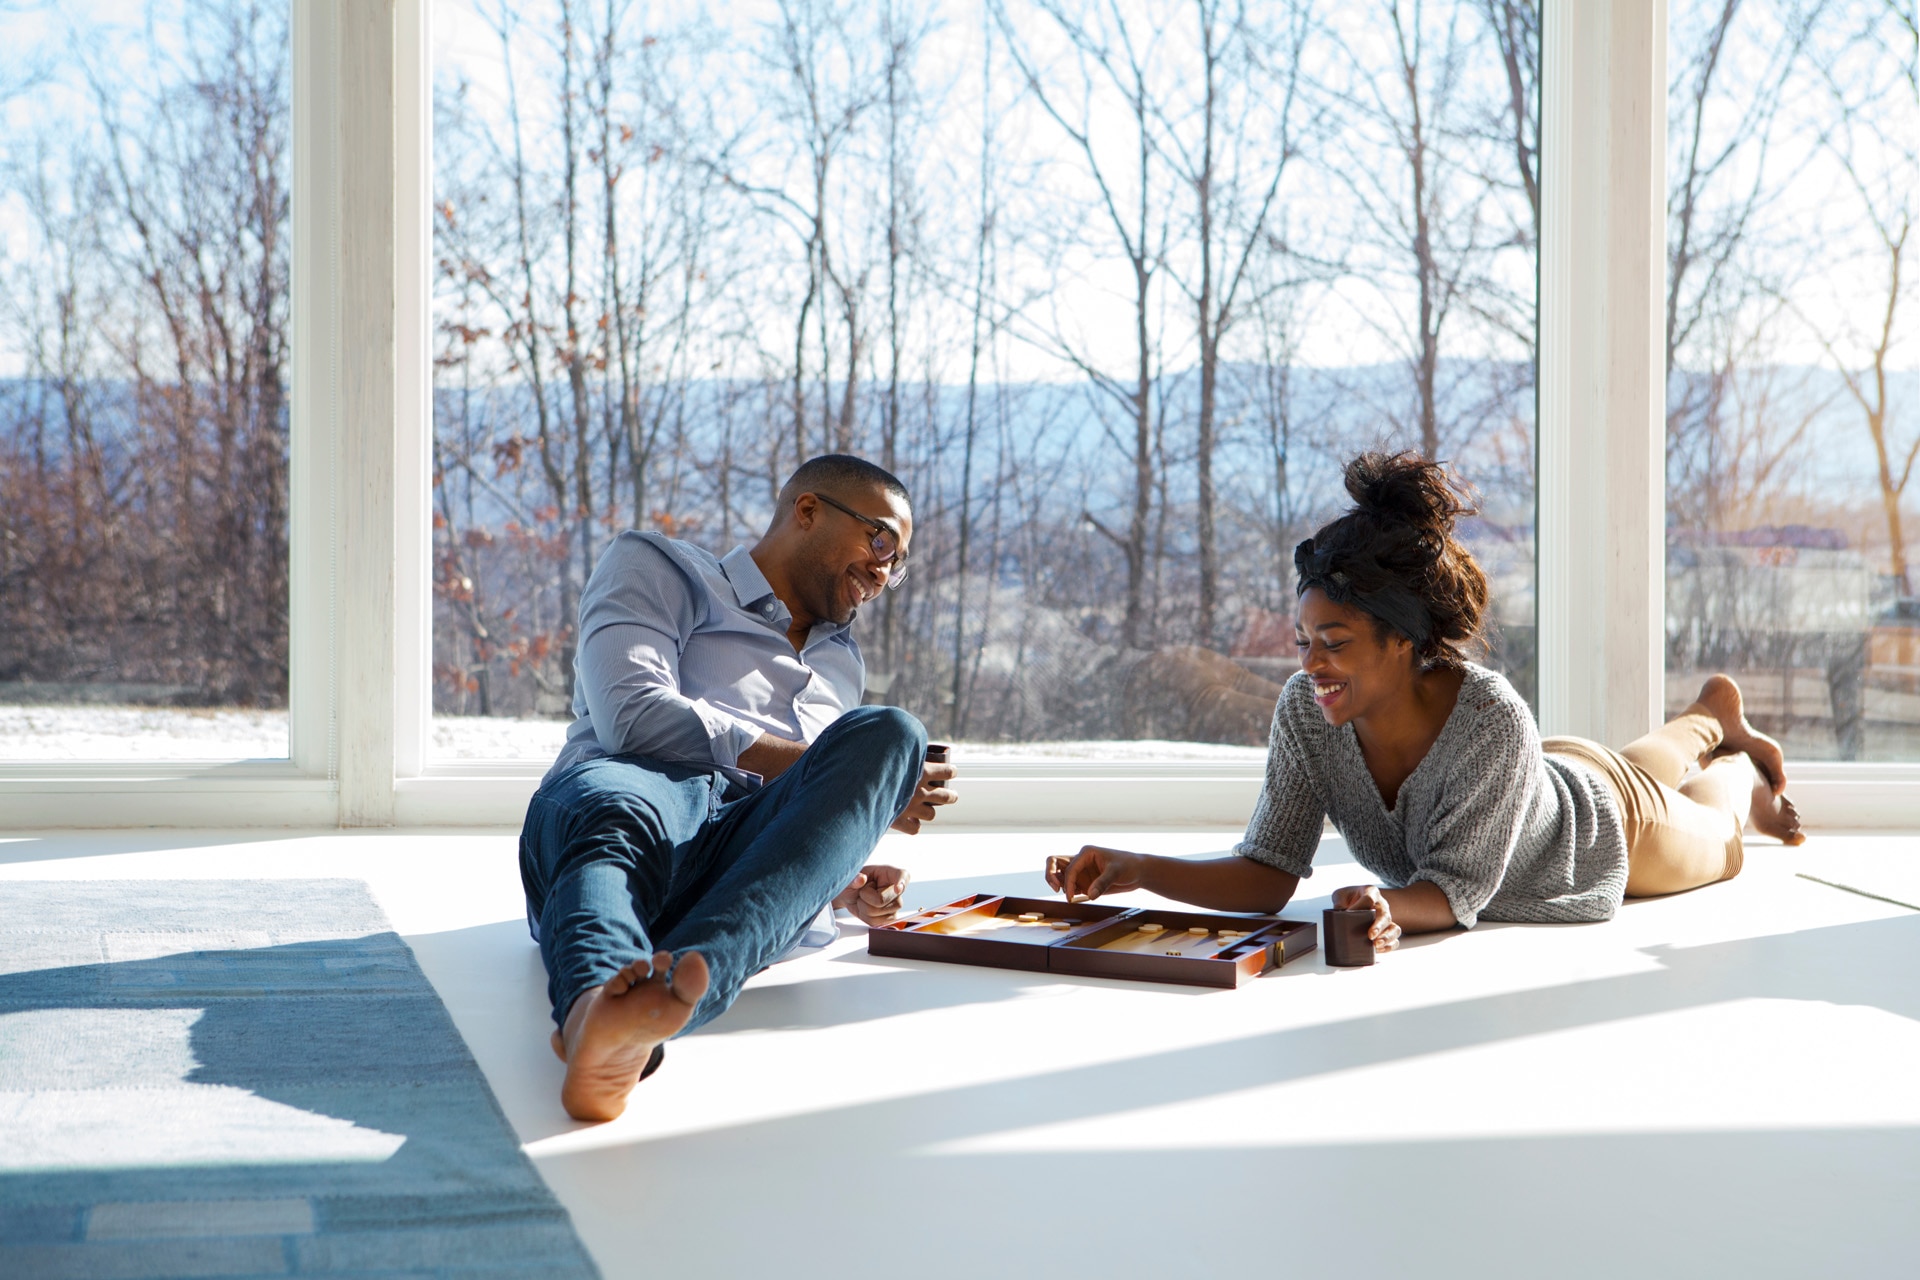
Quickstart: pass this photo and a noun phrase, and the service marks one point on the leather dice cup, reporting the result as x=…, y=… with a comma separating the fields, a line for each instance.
x=1345, y=934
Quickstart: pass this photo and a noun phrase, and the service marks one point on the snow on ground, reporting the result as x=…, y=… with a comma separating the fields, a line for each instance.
x=144, y=734
x=497, y=738
x=141, y=734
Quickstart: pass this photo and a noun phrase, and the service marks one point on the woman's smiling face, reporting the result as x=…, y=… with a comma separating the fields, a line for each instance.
x=1355, y=673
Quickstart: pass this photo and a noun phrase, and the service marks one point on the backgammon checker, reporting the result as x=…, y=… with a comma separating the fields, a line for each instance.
x=1202, y=949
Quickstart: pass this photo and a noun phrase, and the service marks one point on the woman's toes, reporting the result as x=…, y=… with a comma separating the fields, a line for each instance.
x=1790, y=821
x=1775, y=816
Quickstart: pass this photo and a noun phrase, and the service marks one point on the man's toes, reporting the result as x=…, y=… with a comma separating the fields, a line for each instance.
x=691, y=978
x=628, y=978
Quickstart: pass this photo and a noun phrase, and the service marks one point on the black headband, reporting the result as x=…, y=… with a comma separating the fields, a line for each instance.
x=1397, y=606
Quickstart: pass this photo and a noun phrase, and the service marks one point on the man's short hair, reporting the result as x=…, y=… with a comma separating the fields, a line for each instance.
x=840, y=471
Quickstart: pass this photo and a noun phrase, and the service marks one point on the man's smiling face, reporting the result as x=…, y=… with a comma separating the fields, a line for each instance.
x=839, y=570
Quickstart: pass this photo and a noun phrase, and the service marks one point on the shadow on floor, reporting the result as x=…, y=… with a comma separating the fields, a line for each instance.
x=1780, y=1205
x=1816, y=964
x=57, y=846
x=889, y=989
x=1791, y=1203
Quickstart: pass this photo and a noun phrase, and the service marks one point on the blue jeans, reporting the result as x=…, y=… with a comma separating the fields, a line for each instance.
x=624, y=855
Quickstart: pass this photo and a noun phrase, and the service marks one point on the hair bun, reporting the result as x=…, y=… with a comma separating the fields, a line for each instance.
x=1408, y=488
x=1398, y=538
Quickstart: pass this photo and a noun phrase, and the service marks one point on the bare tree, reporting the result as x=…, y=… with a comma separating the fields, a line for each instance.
x=1247, y=137
x=1875, y=142
x=1515, y=25
x=983, y=269
x=1110, y=56
x=827, y=89
x=1720, y=186
x=158, y=354
x=1408, y=92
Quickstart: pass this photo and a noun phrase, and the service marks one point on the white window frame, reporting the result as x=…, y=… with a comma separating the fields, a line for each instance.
x=361, y=605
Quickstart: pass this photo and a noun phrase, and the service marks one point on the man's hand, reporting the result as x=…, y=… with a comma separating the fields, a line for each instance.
x=1384, y=931
x=874, y=895
x=929, y=793
x=1094, y=871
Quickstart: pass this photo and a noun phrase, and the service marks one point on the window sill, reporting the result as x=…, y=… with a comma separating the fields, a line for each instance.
x=168, y=793
x=995, y=795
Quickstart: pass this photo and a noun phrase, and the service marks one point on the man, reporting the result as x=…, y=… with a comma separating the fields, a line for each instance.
x=721, y=785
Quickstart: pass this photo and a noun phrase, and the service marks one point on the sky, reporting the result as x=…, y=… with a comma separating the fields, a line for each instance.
x=1832, y=289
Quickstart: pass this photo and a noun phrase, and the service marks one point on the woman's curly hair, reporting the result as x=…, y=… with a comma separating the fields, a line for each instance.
x=1396, y=544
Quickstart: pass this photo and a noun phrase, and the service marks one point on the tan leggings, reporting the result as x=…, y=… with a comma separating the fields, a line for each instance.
x=1674, y=840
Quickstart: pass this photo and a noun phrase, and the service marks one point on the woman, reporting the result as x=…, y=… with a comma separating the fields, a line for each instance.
x=1431, y=766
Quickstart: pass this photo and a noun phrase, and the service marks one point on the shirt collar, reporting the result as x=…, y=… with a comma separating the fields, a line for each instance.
x=755, y=594
x=750, y=586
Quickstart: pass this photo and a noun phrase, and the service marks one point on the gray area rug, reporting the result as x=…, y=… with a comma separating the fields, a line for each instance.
x=246, y=1078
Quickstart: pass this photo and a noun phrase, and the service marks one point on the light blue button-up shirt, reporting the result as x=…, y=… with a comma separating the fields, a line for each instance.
x=685, y=657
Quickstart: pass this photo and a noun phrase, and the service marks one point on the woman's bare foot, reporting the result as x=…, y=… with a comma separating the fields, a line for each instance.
x=1774, y=815
x=1720, y=698
x=611, y=1030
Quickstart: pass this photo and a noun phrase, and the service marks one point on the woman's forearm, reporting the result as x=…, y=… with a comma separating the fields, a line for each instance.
x=1420, y=907
x=1232, y=883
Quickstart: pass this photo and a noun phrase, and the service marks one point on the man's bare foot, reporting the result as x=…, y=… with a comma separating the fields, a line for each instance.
x=1774, y=815
x=612, y=1030
x=1720, y=698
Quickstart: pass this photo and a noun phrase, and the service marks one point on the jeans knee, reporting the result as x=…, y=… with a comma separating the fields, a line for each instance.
x=886, y=729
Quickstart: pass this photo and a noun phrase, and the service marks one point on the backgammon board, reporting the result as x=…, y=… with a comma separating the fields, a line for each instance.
x=1087, y=939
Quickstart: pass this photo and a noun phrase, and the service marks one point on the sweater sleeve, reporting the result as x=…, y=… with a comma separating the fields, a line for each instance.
x=1475, y=829
x=1284, y=832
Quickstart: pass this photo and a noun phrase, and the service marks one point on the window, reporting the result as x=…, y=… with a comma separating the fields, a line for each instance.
x=144, y=380
x=1793, y=369
x=1115, y=294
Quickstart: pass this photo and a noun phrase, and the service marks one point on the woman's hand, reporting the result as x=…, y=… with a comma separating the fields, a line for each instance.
x=1384, y=932
x=1094, y=871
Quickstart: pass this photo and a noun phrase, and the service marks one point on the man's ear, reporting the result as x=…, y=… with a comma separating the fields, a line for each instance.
x=806, y=510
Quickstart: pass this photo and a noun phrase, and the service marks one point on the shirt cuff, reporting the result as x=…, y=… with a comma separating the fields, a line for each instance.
x=1465, y=914
x=726, y=736
x=1302, y=867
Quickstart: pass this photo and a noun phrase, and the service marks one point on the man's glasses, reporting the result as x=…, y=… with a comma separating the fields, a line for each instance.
x=885, y=544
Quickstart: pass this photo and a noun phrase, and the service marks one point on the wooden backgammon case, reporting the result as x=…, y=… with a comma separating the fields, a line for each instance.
x=1196, y=948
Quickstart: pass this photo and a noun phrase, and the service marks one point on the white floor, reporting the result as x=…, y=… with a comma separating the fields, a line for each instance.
x=1724, y=1083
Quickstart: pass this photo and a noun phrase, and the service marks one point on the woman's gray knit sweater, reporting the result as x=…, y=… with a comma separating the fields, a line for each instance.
x=1505, y=832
